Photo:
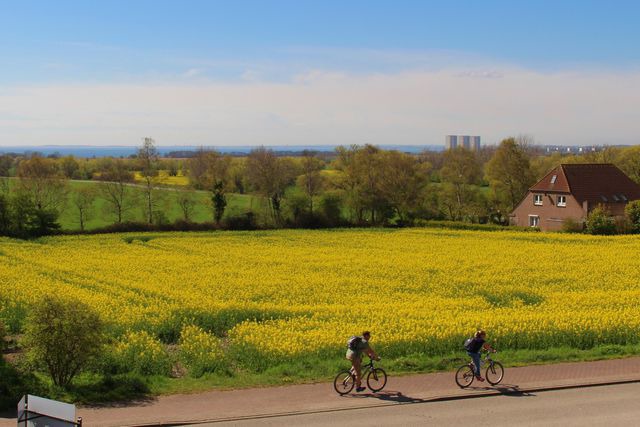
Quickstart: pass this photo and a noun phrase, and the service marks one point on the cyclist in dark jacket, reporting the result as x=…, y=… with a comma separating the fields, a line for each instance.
x=473, y=349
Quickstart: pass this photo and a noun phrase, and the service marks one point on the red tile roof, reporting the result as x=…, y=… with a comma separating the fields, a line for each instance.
x=593, y=182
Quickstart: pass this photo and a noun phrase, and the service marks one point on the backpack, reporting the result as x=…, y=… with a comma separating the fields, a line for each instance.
x=353, y=343
x=467, y=343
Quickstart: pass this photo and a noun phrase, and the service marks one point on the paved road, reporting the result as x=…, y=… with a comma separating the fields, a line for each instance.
x=615, y=405
x=421, y=390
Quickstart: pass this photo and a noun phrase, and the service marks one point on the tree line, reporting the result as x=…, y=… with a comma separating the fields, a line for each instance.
x=353, y=186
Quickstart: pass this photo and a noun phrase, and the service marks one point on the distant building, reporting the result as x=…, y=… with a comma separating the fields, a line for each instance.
x=475, y=141
x=451, y=142
x=465, y=141
x=572, y=191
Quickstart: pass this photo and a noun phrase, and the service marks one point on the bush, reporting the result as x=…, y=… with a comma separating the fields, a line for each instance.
x=3, y=334
x=571, y=225
x=600, y=222
x=331, y=208
x=245, y=221
x=141, y=353
x=200, y=351
x=632, y=211
x=15, y=384
x=61, y=337
x=455, y=225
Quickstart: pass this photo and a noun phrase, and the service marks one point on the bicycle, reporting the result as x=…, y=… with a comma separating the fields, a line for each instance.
x=346, y=379
x=466, y=373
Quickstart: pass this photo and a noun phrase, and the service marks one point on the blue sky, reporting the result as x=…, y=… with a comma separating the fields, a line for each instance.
x=282, y=69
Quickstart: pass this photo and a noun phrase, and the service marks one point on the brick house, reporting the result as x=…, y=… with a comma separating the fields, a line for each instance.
x=572, y=191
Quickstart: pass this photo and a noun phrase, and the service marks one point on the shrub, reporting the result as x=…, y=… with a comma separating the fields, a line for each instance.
x=3, y=334
x=141, y=353
x=245, y=221
x=200, y=351
x=600, y=222
x=632, y=211
x=571, y=225
x=61, y=337
x=457, y=225
x=331, y=208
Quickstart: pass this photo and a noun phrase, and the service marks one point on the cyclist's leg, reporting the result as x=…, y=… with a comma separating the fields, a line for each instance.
x=476, y=362
x=357, y=367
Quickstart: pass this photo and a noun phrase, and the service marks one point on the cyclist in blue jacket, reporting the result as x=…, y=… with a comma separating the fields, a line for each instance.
x=473, y=347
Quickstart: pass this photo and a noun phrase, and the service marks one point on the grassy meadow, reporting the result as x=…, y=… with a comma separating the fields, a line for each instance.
x=100, y=216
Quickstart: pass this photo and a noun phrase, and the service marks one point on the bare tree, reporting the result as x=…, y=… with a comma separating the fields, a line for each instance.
x=148, y=163
x=115, y=189
x=41, y=181
x=83, y=200
x=187, y=201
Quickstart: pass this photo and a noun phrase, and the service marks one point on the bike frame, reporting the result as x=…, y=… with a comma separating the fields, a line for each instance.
x=365, y=369
x=487, y=358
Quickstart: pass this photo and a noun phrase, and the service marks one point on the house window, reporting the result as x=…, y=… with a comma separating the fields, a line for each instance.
x=562, y=201
x=537, y=199
x=553, y=179
x=534, y=220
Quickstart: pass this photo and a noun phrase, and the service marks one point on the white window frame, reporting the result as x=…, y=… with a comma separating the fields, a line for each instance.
x=534, y=221
x=562, y=204
x=535, y=199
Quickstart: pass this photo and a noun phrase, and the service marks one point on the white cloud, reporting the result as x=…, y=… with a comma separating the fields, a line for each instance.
x=192, y=72
x=325, y=107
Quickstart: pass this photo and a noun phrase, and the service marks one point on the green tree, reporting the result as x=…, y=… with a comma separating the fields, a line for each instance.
x=361, y=179
x=460, y=172
x=632, y=211
x=629, y=162
x=69, y=166
x=270, y=176
x=600, y=221
x=6, y=223
x=219, y=200
x=403, y=182
x=509, y=172
x=331, y=207
x=61, y=337
x=6, y=165
x=311, y=181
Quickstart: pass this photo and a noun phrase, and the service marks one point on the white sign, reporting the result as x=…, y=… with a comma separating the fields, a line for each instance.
x=37, y=411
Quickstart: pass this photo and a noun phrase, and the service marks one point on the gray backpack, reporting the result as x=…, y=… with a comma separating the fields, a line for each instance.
x=354, y=343
x=467, y=343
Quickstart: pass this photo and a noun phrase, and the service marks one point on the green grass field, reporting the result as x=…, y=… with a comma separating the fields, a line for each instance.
x=101, y=217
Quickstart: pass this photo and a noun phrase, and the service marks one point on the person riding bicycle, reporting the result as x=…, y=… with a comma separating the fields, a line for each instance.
x=356, y=347
x=473, y=347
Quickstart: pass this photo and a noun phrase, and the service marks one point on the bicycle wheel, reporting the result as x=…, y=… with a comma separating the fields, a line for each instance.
x=344, y=382
x=377, y=379
x=495, y=373
x=464, y=376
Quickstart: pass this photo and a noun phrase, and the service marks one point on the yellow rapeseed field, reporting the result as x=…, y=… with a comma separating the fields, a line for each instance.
x=273, y=296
